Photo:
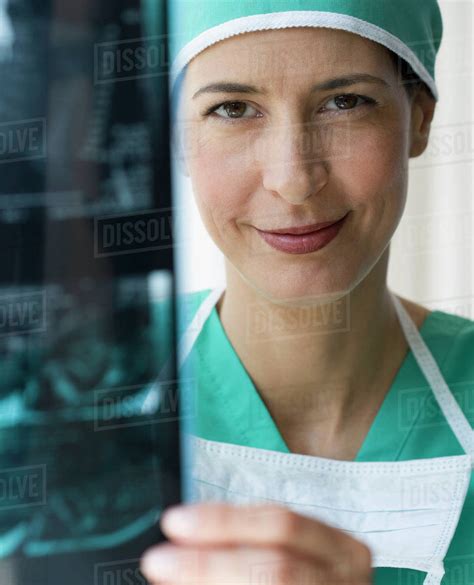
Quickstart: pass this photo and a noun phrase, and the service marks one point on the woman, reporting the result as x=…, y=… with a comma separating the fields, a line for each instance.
x=316, y=385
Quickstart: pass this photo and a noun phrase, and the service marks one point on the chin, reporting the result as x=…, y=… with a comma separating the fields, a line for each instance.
x=302, y=292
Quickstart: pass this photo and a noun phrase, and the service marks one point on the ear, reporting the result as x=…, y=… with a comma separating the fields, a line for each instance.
x=422, y=112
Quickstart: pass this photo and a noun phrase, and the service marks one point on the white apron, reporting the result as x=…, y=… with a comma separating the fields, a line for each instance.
x=405, y=511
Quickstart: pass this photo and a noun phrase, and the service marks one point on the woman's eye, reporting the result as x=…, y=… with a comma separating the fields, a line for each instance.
x=348, y=101
x=231, y=110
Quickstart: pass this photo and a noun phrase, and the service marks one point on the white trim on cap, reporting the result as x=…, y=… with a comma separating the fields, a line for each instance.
x=300, y=18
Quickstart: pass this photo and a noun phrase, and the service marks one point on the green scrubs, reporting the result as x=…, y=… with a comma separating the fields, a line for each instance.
x=409, y=424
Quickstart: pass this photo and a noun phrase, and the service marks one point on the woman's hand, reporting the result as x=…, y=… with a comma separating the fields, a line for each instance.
x=220, y=544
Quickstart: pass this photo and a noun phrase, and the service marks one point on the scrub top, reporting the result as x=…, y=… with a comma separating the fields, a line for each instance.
x=409, y=424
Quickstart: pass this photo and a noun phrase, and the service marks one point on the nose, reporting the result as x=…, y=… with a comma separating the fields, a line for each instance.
x=292, y=163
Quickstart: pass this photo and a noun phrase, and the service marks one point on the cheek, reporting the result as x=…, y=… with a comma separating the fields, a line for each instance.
x=223, y=181
x=376, y=171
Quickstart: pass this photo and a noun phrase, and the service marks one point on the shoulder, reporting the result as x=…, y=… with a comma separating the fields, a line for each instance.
x=441, y=323
x=450, y=338
x=459, y=329
x=455, y=334
x=461, y=335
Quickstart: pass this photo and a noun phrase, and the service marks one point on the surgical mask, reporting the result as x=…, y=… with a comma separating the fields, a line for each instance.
x=405, y=511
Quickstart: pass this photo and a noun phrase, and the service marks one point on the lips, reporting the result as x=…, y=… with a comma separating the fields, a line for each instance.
x=303, y=239
x=307, y=229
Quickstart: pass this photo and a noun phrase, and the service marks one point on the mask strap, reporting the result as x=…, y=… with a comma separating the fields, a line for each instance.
x=448, y=404
x=435, y=574
x=185, y=346
x=192, y=332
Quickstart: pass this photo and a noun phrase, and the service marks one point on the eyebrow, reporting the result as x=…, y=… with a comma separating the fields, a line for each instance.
x=335, y=83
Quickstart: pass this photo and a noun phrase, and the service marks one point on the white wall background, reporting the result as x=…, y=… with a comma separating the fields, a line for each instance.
x=432, y=254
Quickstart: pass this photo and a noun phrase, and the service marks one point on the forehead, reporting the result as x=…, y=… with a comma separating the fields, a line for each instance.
x=290, y=54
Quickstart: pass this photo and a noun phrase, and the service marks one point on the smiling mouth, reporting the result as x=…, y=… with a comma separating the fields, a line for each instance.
x=303, y=239
x=302, y=230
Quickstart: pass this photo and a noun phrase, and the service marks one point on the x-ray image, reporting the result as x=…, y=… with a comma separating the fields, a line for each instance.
x=89, y=403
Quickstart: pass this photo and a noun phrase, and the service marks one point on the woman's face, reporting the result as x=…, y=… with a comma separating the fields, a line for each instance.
x=288, y=153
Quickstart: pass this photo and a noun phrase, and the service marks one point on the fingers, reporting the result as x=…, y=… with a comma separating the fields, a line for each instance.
x=270, y=526
x=236, y=566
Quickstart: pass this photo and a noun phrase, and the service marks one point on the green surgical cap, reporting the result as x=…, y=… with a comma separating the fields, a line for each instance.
x=412, y=29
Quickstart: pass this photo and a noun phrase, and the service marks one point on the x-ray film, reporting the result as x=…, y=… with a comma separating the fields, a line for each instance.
x=89, y=408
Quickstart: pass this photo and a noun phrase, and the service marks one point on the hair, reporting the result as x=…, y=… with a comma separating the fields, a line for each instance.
x=408, y=78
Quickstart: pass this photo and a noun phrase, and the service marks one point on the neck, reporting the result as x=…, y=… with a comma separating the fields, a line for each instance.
x=325, y=354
